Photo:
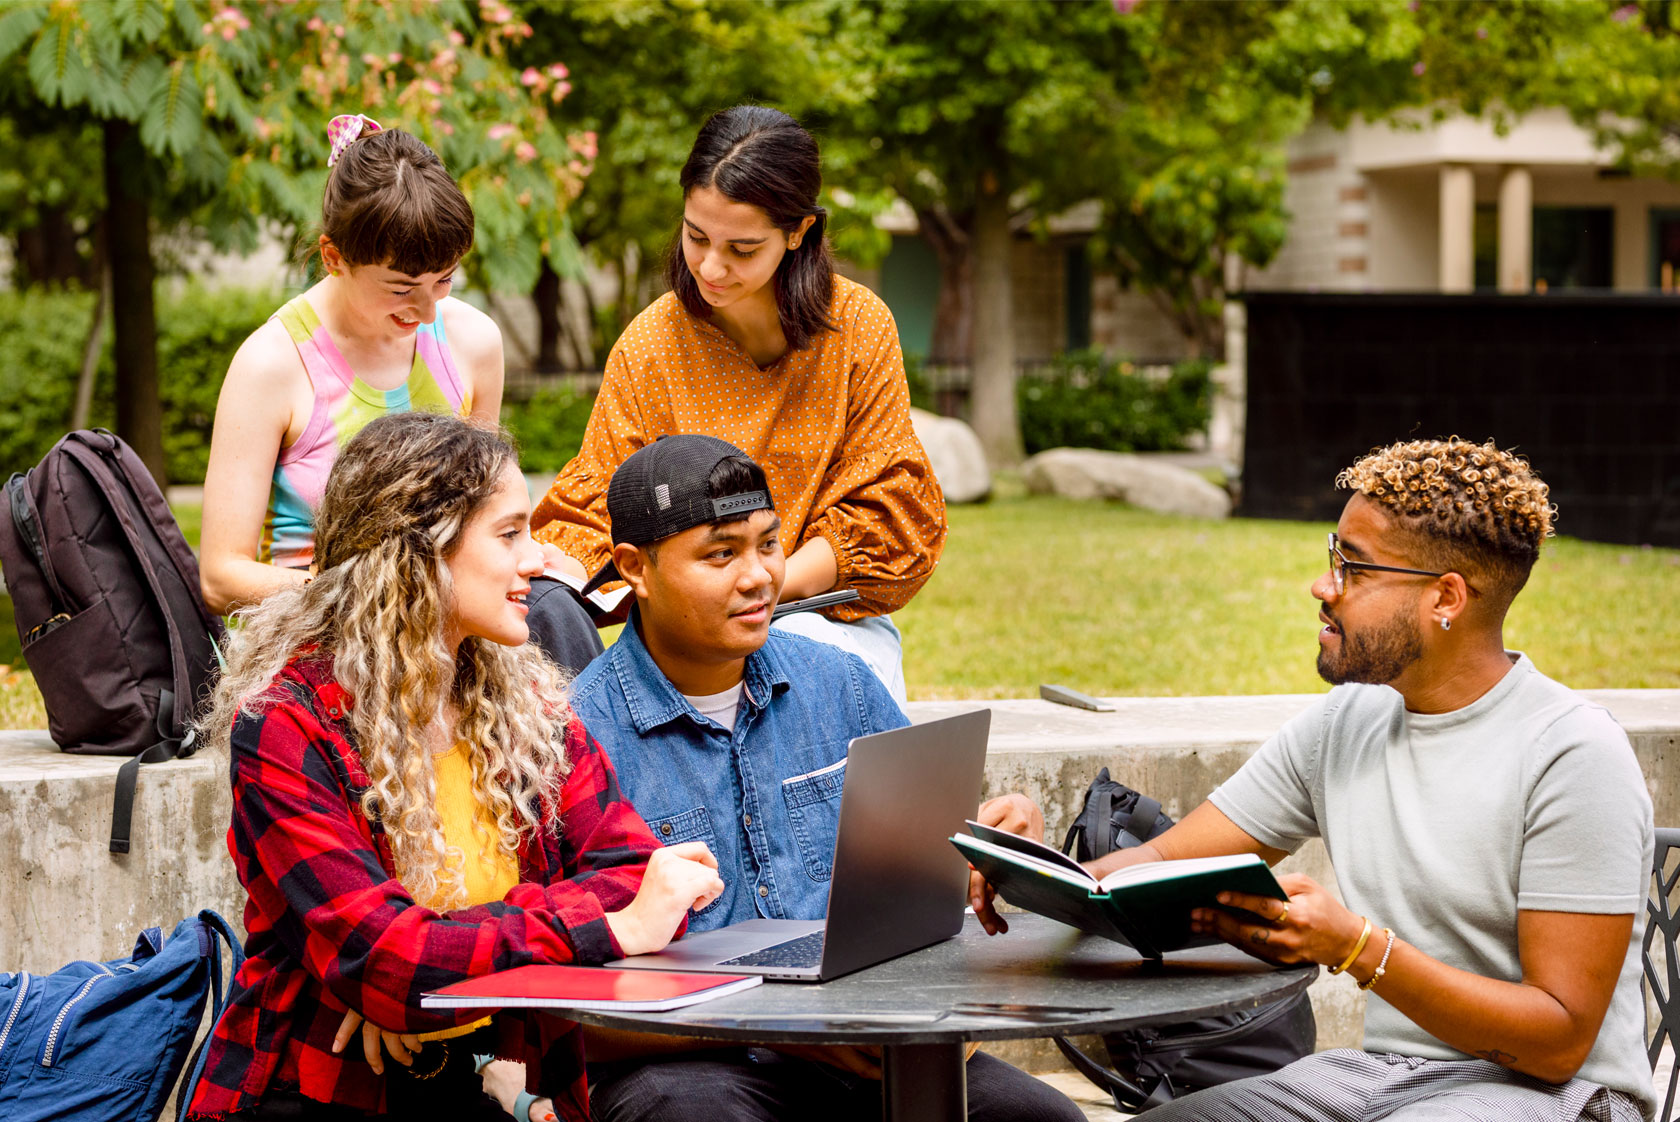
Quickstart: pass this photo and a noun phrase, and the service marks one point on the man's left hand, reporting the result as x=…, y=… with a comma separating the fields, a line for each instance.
x=1311, y=927
x=1013, y=814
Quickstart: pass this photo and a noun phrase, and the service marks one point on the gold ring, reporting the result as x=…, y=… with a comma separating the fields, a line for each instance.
x=1283, y=915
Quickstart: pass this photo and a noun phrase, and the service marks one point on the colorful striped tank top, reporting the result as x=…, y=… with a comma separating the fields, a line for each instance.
x=343, y=405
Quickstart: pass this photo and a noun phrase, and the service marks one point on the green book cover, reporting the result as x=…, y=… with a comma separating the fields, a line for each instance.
x=1145, y=906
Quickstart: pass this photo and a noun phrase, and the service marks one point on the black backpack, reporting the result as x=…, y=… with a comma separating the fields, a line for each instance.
x=107, y=605
x=1152, y=1066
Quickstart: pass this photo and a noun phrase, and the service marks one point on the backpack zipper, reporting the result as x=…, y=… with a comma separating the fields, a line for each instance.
x=1260, y=1017
x=17, y=1006
x=64, y=1012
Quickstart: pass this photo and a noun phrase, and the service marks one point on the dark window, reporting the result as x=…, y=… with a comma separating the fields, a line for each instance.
x=1572, y=247
x=1078, y=303
x=1487, y=246
x=1665, y=250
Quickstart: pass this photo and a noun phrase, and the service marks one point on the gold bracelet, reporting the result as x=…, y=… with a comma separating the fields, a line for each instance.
x=1383, y=965
x=443, y=1061
x=1357, y=947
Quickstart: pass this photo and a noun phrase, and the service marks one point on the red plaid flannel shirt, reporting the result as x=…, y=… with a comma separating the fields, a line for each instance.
x=329, y=926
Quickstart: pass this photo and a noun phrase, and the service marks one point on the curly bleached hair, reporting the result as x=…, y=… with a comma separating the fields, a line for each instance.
x=1469, y=508
x=399, y=498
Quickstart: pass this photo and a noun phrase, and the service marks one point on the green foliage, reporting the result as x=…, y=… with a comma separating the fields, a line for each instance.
x=1086, y=400
x=548, y=426
x=921, y=386
x=41, y=339
x=232, y=106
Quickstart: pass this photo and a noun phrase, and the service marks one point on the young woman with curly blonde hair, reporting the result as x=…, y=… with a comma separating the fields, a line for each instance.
x=413, y=801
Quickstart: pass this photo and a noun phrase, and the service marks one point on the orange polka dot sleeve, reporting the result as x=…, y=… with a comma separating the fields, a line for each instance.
x=830, y=426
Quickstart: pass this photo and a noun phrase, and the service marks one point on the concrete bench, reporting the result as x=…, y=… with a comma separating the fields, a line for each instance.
x=63, y=896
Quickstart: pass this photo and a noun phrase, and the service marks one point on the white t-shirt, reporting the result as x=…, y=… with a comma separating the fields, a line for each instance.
x=720, y=707
x=1444, y=826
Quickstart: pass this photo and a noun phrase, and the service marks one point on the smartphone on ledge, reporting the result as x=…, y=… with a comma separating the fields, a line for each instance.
x=811, y=603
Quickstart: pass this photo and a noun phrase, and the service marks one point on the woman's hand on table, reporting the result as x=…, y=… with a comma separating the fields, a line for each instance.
x=679, y=878
x=1312, y=926
x=402, y=1046
x=1013, y=814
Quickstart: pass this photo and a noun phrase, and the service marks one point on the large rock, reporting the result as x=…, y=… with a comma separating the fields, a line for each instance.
x=959, y=463
x=1086, y=473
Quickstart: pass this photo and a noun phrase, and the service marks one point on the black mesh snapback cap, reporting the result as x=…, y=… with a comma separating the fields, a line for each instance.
x=661, y=490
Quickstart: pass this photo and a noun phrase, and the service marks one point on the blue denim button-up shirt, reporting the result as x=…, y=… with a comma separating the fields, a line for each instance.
x=766, y=797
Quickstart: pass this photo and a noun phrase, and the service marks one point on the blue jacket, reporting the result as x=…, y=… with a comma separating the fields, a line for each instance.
x=765, y=798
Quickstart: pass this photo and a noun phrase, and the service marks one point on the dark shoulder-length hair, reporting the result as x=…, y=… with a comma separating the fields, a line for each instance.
x=762, y=157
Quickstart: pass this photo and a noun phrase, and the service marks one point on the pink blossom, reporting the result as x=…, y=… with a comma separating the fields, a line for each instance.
x=338, y=30
x=456, y=37
x=525, y=31
x=500, y=130
x=526, y=151
x=574, y=166
x=558, y=70
x=1625, y=13
x=1418, y=68
x=393, y=58
x=207, y=30
x=371, y=59
x=228, y=32
x=316, y=23
x=446, y=128
x=444, y=58
x=1481, y=33
x=432, y=86
x=530, y=77
x=561, y=89
x=1125, y=7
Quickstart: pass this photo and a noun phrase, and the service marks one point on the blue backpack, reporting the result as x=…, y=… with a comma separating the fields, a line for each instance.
x=108, y=1040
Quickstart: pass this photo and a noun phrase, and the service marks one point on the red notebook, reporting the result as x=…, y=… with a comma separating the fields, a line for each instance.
x=588, y=988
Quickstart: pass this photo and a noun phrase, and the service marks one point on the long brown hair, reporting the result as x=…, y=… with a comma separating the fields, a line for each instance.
x=389, y=201
x=397, y=501
x=762, y=157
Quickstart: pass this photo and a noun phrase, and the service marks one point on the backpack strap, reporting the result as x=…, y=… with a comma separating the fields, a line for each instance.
x=28, y=523
x=169, y=747
x=219, y=932
x=1141, y=822
x=1128, y=1096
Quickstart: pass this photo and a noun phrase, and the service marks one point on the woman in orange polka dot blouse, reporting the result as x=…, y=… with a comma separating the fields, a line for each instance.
x=761, y=344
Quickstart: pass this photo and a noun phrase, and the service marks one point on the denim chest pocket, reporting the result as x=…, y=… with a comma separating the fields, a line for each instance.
x=690, y=825
x=813, y=806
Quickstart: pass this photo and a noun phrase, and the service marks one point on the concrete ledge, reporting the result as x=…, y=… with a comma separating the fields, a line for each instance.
x=64, y=897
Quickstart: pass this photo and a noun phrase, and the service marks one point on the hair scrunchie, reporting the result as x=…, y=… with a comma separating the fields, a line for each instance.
x=343, y=130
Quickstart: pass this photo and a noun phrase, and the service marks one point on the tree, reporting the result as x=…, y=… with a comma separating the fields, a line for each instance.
x=213, y=115
x=649, y=73
x=976, y=113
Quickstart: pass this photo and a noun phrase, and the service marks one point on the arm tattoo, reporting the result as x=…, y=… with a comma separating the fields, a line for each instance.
x=1494, y=1055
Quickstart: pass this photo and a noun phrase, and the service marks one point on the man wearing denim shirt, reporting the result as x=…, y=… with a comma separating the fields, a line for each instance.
x=726, y=732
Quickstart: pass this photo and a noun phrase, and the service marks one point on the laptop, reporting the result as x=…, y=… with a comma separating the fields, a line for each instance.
x=897, y=884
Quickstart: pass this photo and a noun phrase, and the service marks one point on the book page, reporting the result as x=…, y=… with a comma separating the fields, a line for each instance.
x=1075, y=876
x=1152, y=871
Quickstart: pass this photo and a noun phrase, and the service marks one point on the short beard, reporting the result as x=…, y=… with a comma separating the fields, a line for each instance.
x=1376, y=658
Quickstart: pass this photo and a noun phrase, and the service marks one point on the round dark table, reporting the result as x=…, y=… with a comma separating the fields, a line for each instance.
x=1043, y=978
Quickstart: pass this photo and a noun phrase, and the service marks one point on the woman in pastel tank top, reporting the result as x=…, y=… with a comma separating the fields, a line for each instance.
x=378, y=334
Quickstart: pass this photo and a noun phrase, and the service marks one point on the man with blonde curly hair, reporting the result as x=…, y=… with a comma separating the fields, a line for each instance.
x=1491, y=829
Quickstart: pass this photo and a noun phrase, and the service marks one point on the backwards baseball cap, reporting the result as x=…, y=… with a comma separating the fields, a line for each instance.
x=661, y=490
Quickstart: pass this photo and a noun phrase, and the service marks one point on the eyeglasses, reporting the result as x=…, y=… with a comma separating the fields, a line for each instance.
x=1340, y=565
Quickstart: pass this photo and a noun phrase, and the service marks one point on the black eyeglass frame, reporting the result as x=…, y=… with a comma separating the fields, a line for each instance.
x=1339, y=565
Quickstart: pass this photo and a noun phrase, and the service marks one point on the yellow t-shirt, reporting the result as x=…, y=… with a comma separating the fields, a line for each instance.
x=468, y=826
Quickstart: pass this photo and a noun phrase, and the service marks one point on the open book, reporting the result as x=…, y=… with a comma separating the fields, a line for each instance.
x=591, y=988
x=1145, y=906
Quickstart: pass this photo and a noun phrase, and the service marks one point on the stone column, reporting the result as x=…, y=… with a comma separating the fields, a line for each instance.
x=1457, y=255
x=1516, y=230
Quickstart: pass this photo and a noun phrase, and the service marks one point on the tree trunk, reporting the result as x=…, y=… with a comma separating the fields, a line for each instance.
x=953, y=310
x=546, y=296
x=47, y=250
x=133, y=310
x=992, y=370
x=90, y=349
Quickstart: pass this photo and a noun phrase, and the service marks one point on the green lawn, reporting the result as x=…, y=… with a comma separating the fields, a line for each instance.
x=1112, y=600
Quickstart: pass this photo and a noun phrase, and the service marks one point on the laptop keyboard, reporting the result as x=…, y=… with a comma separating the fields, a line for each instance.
x=803, y=952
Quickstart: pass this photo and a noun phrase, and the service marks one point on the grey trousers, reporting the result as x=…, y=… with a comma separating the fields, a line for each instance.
x=1348, y=1085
